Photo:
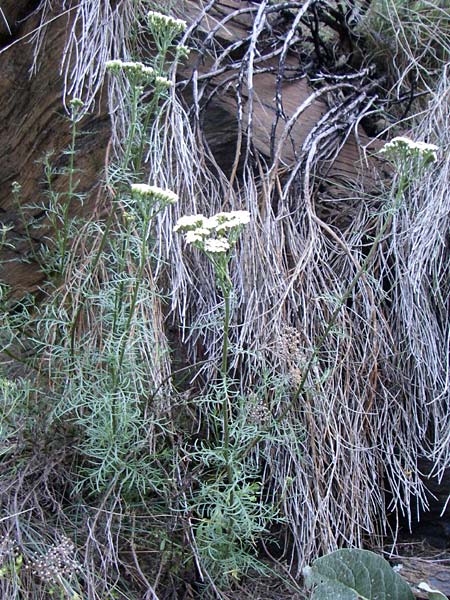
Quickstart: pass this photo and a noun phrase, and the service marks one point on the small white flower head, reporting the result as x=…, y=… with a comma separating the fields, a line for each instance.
x=216, y=234
x=183, y=51
x=148, y=72
x=114, y=66
x=130, y=68
x=429, y=151
x=162, y=83
x=239, y=217
x=218, y=246
x=165, y=23
x=190, y=223
x=228, y=221
x=211, y=223
x=403, y=147
x=143, y=190
x=75, y=106
x=203, y=231
x=194, y=236
x=16, y=188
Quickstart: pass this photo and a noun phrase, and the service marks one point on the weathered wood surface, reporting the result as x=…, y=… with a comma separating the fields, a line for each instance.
x=32, y=123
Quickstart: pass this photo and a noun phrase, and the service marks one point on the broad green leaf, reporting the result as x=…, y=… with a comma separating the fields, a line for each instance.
x=355, y=574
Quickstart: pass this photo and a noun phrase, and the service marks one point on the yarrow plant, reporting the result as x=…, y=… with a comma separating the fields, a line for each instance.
x=137, y=77
x=410, y=159
x=407, y=149
x=101, y=335
x=165, y=29
x=216, y=234
x=231, y=512
x=165, y=22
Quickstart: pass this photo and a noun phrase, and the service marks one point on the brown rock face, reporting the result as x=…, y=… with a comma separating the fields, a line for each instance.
x=34, y=126
x=33, y=123
x=11, y=12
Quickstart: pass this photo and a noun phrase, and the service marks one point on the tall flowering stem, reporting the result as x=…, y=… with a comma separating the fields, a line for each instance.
x=75, y=107
x=150, y=200
x=138, y=76
x=216, y=237
x=225, y=284
x=164, y=29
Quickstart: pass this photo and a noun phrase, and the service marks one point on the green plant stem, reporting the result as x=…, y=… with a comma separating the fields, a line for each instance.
x=122, y=270
x=150, y=112
x=148, y=215
x=224, y=372
x=69, y=194
x=135, y=93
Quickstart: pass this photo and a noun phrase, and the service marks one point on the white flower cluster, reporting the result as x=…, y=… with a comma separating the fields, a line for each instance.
x=163, y=82
x=403, y=146
x=213, y=234
x=183, y=51
x=130, y=67
x=165, y=22
x=230, y=220
x=217, y=246
x=152, y=191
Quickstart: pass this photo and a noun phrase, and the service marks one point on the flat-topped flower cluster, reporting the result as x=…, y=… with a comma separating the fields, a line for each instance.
x=162, y=82
x=130, y=67
x=216, y=234
x=407, y=148
x=142, y=190
x=164, y=22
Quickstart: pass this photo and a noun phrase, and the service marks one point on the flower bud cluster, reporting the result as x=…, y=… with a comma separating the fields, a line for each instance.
x=165, y=22
x=8, y=549
x=162, y=82
x=76, y=103
x=259, y=413
x=215, y=234
x=143, y=190
x=57, y=562
x=183, y=51
x=130, y=68
x=403, y=147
